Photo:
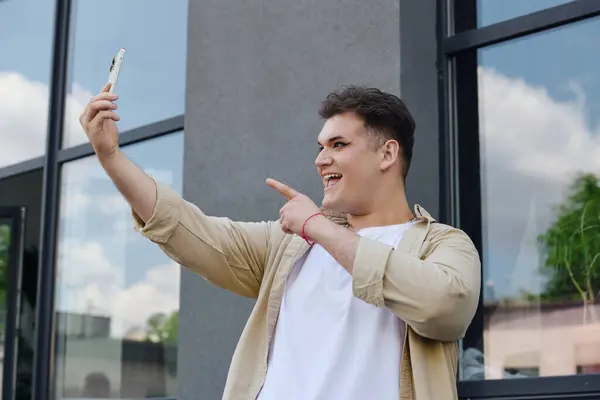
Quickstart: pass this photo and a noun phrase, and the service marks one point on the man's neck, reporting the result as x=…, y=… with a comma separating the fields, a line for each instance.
x=393, y=211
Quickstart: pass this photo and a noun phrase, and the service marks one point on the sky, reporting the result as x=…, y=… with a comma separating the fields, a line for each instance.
x=151, y=83
x=151, y=87
x=104, y=267
x=539, y=102
x=492, y=11
x=539, y=98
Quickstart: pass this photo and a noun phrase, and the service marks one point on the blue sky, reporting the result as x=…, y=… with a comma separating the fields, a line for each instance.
x=492, y=11
x=152, y=80
x=104, y=266
x=151, y=87
x=553, y=61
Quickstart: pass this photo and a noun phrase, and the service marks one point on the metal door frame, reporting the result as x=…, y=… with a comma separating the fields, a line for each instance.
x=16, y=218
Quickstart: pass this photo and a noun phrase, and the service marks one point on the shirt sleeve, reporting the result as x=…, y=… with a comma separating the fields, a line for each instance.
x=436, y=296
x=231, y=255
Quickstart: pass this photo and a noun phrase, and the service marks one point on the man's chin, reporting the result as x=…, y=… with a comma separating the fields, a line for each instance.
x=332, y=204
x=327, y=203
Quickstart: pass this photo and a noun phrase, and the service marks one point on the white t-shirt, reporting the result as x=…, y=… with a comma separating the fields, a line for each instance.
x=328, y=344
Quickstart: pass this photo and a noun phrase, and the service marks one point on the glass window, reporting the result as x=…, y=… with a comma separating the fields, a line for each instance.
x=25, y=67
x=539, y=127
x=17, y=192
x=151, y=84
x=492, y=11
x=117, y=293
x=5, y=228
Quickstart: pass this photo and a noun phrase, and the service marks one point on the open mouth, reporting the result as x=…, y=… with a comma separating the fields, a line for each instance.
x=331, y=180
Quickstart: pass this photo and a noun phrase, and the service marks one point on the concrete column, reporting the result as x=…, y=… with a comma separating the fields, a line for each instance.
x=257, y=71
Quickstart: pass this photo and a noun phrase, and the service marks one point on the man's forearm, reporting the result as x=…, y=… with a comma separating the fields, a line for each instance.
x=134, y=184
x=338, y=241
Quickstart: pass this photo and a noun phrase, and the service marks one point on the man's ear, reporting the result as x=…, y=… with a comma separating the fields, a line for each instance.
x=390, y=151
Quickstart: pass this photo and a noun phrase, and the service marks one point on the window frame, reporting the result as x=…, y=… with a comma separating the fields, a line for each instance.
x=51, y=162
x=15, y=217
x=460, y=170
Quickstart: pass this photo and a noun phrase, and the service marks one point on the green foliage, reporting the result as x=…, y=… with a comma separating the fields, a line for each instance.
x=163, y=328
x=572, y=245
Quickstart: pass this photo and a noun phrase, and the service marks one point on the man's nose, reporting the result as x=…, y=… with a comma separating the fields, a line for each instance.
x=323, y=160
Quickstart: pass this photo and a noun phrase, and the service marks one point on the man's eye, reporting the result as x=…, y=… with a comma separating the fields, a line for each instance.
x=339, y=144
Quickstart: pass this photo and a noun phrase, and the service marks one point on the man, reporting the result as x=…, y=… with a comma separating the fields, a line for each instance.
x=357, y=299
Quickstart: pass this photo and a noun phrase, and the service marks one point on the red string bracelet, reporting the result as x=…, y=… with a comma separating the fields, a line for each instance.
x=304, y=224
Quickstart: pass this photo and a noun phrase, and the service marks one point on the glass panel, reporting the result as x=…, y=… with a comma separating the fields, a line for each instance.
x=25, y=190
x=24, y=77
x=151, y=84
x=540, y=154
x=492, y=11
x=117, y=293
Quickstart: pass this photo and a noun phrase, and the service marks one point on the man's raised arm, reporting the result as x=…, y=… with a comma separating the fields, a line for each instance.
x=229, y=254
x=134, y=184
x=98, y=121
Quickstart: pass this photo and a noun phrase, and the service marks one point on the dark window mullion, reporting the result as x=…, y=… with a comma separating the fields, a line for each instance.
x=42, y=385
x=132, y=136
x=517, y=27
x=462, y=103
x=22, y=167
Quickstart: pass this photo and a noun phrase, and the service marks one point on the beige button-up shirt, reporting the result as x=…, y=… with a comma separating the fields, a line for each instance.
x=431, y=281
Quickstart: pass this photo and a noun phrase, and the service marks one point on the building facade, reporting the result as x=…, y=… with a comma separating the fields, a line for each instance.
x=217, y=96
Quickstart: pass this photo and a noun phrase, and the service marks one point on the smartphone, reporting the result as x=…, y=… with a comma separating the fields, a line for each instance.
x=115, y=67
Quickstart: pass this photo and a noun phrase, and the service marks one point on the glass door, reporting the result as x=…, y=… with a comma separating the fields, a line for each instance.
x=12, y=227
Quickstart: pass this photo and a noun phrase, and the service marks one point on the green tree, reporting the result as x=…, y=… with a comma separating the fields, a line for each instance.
x=163, y=328
x=572, y=246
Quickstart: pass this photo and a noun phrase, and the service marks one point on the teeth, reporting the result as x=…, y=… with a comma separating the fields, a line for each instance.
x=332, y=176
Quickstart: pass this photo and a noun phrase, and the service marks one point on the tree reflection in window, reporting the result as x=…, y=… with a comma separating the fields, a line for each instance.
x=572, y=248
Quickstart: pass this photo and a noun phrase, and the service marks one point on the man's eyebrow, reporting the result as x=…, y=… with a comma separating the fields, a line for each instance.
x=332, y=139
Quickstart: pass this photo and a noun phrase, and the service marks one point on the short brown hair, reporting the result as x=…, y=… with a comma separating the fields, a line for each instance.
x=384, y=114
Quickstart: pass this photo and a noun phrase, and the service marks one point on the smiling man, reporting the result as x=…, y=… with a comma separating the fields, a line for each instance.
x=357, y=299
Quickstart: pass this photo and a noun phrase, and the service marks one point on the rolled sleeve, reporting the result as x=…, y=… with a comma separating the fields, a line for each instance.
x=437, y=296
x=368, y=271
x=165, y=216
x=232, y=255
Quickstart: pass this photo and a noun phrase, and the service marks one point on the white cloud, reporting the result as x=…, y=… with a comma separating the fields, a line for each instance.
x=87, y=280
x=73, y=203
x=158, y=292
x=85, y=175
x=24, y=114
x=81, y=262
x=23, y=130
x=531, y=133
x=76, y=102
x=89, y=283
x=532, y=147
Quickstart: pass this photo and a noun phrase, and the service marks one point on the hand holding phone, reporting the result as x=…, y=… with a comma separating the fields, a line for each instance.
x=115, y=67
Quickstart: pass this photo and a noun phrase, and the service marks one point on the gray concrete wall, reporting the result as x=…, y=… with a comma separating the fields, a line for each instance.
x=418, y=80
x=257, y=71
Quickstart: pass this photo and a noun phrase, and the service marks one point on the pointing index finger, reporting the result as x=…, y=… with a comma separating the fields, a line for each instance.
x=284, y=189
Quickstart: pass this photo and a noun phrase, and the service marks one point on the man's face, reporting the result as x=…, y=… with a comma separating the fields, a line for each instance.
x=349, y=166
